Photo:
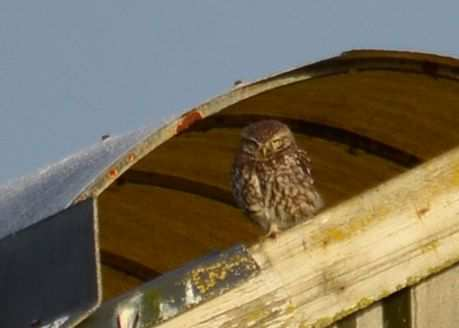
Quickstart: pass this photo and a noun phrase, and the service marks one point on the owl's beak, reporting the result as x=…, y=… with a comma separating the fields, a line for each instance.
x=264, y=151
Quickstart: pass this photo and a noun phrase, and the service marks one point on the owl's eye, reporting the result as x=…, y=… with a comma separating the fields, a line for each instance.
x=277, y=143
x=250, y=146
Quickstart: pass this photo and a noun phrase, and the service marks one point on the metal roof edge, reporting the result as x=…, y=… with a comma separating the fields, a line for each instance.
x=348, y=62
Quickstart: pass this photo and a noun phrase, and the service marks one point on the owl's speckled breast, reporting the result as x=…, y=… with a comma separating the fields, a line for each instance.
x=279, y=191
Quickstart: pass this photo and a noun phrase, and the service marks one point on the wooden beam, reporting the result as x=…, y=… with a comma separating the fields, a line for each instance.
x=435, y=301
x=178, y=183
x=127, y=266
x=319, y=130
x=348, y=257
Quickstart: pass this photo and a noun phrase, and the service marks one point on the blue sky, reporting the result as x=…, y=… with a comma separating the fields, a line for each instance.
x=71, y=71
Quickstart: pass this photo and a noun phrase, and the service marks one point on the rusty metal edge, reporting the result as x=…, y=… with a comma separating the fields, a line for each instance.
x=348, y=62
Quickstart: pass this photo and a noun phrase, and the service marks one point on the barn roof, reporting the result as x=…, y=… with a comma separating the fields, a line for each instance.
x=365, y=116
x=27, y=200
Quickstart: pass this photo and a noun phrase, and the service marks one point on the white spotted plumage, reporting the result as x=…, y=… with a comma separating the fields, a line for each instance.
x=271, y=178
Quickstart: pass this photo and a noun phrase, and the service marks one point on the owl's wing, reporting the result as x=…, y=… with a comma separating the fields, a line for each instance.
x=237, y=185
x=247, y=191
x=305, y=163
x=316, y=200
x=240, y=181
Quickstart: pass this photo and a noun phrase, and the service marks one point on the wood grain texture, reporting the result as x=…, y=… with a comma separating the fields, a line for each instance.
x=371, y=317
x=163, y=229
x=398, y=108
x=348, y=257
x=435, y=302
x=116, y=282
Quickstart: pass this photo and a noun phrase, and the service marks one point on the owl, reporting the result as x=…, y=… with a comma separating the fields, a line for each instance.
x=271, y=178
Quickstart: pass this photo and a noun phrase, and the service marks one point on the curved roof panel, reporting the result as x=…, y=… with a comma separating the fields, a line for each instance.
x=27, y=200
x=332, y=100
x=374, y=76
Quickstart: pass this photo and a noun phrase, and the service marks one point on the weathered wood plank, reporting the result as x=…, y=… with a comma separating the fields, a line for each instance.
x=435, y=302
x=349, y=256
x=347, y=322
x=371, y=317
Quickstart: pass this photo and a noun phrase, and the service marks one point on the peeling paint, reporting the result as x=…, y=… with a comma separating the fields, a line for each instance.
x=113, y=172
x=128, y=313
x=188, y=120
x=190, y=295
x=167, y=310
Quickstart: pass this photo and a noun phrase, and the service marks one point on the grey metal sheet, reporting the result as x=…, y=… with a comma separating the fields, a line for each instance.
x=176, y=292
x=27, y=200
x=49, y=272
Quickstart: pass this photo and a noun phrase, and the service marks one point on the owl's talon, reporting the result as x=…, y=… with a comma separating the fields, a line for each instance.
x=273, y=235
x=273, y=231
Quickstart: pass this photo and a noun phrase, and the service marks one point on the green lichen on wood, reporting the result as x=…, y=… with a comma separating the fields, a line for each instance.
x=327, y=321
x=365, y=302
x=444, y=266
x=356, y=225
x=206, y=278
x=430, y=246
x=151, y=300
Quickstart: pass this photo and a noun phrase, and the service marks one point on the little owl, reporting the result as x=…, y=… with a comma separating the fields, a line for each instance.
x=271, y=178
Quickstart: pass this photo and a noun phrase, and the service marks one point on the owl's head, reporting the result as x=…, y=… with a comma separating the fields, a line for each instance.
x=264, y=139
